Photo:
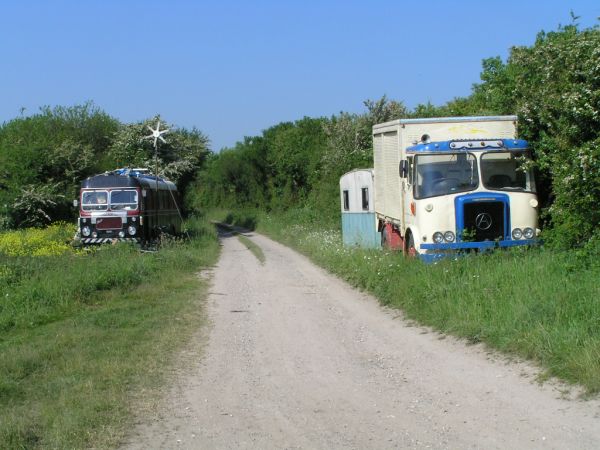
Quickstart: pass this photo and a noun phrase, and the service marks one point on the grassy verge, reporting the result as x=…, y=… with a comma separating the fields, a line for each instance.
x=81, y=334
x=537, y=304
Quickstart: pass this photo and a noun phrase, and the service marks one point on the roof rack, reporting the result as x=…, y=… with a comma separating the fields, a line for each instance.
x=135, y=172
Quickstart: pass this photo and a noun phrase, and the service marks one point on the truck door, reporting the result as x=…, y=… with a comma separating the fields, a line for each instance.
x=407, y=195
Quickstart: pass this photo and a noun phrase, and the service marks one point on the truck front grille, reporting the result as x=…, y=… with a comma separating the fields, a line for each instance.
x=484, y=221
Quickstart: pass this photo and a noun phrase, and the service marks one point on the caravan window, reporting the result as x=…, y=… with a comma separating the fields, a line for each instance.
x=346, y=201
x=365, y=199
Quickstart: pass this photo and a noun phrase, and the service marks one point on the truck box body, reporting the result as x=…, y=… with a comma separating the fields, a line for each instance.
x=391, y=139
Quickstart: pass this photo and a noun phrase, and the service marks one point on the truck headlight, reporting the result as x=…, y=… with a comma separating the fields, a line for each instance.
x=449, y=236
x=528, y=233
x=131, y=230
x=517, y=234
x=438, y=237
x=86, y=231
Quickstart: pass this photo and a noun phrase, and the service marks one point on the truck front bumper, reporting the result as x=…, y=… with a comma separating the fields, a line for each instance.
x=433, y=252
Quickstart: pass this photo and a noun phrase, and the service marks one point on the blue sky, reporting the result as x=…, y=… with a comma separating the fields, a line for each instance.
x=233, y=68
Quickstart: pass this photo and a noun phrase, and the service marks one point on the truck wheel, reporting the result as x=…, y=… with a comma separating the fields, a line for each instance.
x=384, y=238
x=411, y=250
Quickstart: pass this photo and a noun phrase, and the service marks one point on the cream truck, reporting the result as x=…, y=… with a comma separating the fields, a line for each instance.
x=445, y=185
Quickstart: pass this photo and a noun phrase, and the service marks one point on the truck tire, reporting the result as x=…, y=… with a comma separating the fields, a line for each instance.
x=411, y=250
x=384, y=238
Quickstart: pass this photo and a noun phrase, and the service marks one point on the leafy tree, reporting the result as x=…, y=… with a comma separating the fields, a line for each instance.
x=554, y=87
x=178, y=159
x=44, y=156
x=35, y=204
x=293, y=163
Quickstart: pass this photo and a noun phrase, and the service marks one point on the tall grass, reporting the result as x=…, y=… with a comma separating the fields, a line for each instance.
x=538, y=304
x=81, y=333
x=53, y=240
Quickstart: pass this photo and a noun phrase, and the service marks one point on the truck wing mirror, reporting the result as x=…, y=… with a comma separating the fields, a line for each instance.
x=75, y=203
x=403, y=170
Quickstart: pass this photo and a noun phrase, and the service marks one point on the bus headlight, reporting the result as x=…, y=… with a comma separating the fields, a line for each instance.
x=438, y=237
x=517, y=234
x=449, y=236
x=131, y=230
x=528, y=233
x=86, y=231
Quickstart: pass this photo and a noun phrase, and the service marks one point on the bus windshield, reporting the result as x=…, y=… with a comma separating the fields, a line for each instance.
x=123, y=199
x=446, y=173
x=94, y=200
x=507, y=171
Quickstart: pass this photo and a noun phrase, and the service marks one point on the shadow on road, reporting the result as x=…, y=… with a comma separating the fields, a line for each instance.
x=225, y=230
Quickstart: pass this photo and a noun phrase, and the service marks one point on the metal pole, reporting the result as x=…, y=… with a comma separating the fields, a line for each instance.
x=156, y=175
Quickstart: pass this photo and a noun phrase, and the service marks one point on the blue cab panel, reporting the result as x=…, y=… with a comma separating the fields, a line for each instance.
x=470, y=144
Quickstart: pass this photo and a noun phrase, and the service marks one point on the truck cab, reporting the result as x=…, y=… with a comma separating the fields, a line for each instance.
x=469, y=194
x=451, y=184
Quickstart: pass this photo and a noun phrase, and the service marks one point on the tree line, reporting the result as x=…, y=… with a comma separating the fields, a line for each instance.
x=45, y=156
x=553, y=86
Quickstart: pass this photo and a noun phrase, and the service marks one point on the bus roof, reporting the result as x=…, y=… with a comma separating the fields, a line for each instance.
x=111, y=180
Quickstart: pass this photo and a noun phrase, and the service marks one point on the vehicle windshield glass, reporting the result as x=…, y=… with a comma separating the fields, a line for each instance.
x=446, y=173
x=94, y=200
x=123, y=199
x=507, y=171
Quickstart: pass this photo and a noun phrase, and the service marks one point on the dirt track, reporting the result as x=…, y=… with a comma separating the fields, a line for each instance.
x=297, y=359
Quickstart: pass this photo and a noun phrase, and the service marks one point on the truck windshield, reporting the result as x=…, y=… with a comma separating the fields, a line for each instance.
x=123, y=199
x=94, y=200
x=443, y=174
x=507, y=171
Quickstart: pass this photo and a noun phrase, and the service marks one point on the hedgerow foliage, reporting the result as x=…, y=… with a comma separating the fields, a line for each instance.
x=553, y=86
x=45, y=156
x=292, y=163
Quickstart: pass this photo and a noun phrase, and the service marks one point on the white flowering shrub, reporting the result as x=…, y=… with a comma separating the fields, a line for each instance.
x=554, y=87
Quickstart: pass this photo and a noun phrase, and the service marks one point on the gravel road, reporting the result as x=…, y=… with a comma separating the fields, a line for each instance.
x=295, y=358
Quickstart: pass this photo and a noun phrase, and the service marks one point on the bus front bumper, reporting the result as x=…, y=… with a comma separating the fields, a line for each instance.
x=106, y=240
